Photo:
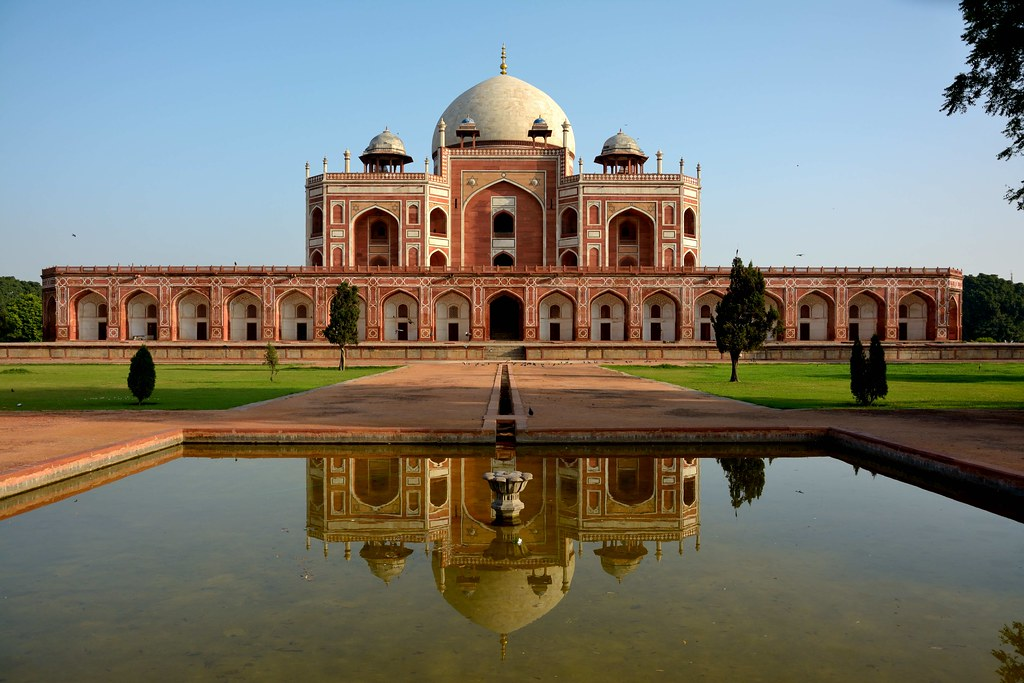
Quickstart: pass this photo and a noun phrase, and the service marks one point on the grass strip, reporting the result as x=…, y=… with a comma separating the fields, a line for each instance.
x=178, y=387
x=912, y=386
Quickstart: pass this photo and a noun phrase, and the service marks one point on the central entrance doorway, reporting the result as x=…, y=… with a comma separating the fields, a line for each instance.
x=506, y=319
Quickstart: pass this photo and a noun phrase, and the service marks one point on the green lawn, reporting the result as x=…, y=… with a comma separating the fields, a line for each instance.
x=178, y=387
x=805, y=385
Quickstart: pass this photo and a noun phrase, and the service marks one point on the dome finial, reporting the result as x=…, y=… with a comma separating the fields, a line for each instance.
x=504, y=66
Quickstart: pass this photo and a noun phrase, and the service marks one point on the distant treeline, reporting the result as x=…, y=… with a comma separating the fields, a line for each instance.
x=21, y=310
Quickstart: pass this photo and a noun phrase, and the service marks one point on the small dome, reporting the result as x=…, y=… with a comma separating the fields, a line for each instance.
x=386, y=143
x=539, y=120
x=620, y=143
x=468, y=120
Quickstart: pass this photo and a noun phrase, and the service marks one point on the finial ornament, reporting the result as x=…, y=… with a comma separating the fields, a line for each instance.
x=504, y=66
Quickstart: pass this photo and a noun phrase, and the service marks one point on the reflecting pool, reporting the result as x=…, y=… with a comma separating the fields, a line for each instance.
x=352, y=565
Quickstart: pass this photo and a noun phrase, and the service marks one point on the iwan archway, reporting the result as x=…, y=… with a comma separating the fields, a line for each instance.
x=505, y=319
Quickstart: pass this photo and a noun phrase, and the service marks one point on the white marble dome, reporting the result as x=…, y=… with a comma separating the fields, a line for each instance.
x=503, y=108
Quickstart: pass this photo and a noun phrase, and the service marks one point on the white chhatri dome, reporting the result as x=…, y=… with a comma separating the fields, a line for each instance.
x=503, y=108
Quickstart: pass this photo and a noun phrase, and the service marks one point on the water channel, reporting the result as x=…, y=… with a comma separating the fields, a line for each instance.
x=370, y=565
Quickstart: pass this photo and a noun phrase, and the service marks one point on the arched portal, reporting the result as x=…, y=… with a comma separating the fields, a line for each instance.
x=141, y=314
x=607, y=318
x=451, y=318
x=296, y=324
x=556, y=318
x=193, y=317
x=91, y=317
x=505, y=318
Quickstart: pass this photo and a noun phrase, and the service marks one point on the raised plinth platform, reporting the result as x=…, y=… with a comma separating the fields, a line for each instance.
x=394, y=353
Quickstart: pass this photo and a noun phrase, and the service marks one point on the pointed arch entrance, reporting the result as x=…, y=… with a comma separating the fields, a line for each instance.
x=505, y=318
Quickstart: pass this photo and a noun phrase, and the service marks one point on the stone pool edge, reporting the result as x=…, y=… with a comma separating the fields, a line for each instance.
x=899, y=456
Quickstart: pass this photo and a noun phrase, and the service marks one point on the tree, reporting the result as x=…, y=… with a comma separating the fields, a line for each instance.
x=878, y=383
x=142, y=374
x=270, y=358
x=743, y=320
x=343, y=328
x=21, y=320
x=745, y=476
x=993, y=308
x=995, y=33
x=859, y=373
x=1011, y=664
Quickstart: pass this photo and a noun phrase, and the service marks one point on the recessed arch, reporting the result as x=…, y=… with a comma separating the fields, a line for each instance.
x=244, y=316
x=865, y=316
x=193, y=316
x=438, y=259
x=91, y=315
x=689, y=260
x=316, y=222
x=438, y=222
x=505, y=317
x=452, y=317
x=916, y=312
x=569, y=259
x=295, y=316
x=141, y=315
x=568, y=223
x=815, y=317
x=557, y=313
x=401, y=311
x=316, y=259
x=504, y=260
x=631, y=238
x=704, y=307
x=660, y=317
x=608, y=317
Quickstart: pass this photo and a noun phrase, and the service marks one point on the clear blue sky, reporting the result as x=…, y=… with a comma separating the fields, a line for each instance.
x=177, y=133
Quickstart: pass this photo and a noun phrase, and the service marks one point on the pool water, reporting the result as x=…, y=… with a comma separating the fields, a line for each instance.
x=346, y=567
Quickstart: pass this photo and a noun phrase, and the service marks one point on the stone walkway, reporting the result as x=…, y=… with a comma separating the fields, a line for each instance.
x=438, y=399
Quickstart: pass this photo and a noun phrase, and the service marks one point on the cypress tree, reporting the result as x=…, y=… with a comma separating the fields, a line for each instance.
x=142, y=374
x=878, y=385
x=859, y=374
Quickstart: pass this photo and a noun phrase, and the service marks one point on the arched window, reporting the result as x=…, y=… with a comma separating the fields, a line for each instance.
x=569, y=223
x=627, y=231
x=854, y=311
x=689, y=223
x=336, y=213
x=151, y=311
x=569, y=258
x=705, y=311
x=655, y=311
x=670, y=215
x=805, y=311
x=606, y=311
x=250, y=311
x=504, y=224
x=316, y=222
x=903, y=310
x=300, y=311
x=594, y=214
x=555, y=311
x=453, y=311
x=438, y=260
x=101, y=311
x=627, y=262
x=316, y=260
x=378, y=261
x=689, y=261
x=201, y=311
x=504, y=259
x=414, y=214
x=438, y=223
x=403, y=311
x=378, y=231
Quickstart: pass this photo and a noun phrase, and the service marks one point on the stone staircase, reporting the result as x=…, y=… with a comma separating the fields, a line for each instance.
x=501, y=351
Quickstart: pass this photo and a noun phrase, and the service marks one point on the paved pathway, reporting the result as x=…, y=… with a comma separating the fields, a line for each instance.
x=454, y=397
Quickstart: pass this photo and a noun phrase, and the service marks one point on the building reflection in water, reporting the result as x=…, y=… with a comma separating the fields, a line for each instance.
x=503, y=577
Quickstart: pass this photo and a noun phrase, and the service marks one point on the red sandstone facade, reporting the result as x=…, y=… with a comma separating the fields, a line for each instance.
x=504, y=238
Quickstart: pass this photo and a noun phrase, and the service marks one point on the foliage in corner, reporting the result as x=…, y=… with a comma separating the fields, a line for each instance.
x=1011, y=664
x=994, y=30
x=21, y=310
x=142, y=374
x=343, y=328
x=993, y=309
x=271, y=358
x=743, y=319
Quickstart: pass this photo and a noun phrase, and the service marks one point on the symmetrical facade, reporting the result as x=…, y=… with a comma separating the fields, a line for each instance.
x=502, y=236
